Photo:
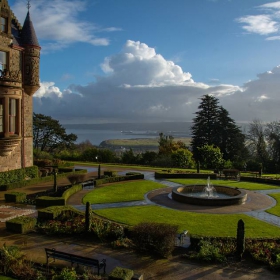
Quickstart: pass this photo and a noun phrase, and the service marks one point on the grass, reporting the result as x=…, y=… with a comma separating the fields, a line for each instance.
x=220, y=225
x=276, y=209
x=235, y=184
x=6, y=278
x=120, y=192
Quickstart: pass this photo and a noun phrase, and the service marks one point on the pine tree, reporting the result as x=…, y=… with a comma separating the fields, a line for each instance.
x=213, y=126
x=204, y=129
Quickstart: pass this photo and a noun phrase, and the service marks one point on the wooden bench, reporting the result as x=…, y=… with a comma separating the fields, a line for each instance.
x=52, y=253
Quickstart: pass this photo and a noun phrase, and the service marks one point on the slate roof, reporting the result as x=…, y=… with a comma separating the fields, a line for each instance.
x=28, y=35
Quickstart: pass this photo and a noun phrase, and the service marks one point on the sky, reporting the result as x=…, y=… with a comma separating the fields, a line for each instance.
x=152, y=60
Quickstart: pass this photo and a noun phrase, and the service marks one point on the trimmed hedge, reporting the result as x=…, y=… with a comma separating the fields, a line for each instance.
x=52, y=212
x=15, y=197
x=110, y=173
x=99, y=182
x=46, y=201
x=21, y=224
x=24, y=183
x=165, y=175
x=17, y=175
x=260, y=180
x=156, y=238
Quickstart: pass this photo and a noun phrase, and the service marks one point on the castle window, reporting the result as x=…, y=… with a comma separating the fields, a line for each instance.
x=3, y=24
x=3, y=60
x=12, y=116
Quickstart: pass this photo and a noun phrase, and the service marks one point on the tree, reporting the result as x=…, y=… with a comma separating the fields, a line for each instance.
x=257, y=142
x=49, y=135
x=272, y=132
x=213, y=126
x=211, y=157
x=183, y=158
x=204, y=128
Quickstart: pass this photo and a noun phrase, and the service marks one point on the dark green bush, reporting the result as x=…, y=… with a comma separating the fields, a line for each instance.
x=21, y=224
x=155, y=238
x=110, y=173
x=15, y=197
x=120, y=273
x=169, y=175
x=58, y=212
x=18, y=175
x=99, y=182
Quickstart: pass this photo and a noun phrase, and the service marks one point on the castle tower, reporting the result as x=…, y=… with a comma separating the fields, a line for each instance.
x=19, y=80
x=31, y=57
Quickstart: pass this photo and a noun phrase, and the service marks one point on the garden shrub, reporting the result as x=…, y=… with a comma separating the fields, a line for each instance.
x=66, y=274
x=167, y=174
x=120, y=273
x=156, y=238
x=99, y=182
x=76, y=178
x=21, y=224
x=231, y=173
x=46, y=201
x=15, y=197
x=58, y=212
x=208, y=252
x=110, y=173
x=18, y=175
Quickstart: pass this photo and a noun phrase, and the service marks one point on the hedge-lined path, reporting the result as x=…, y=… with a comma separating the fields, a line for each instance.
x=257, y=202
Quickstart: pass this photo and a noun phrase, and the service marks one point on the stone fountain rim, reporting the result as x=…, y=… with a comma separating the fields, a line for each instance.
x=239, y=198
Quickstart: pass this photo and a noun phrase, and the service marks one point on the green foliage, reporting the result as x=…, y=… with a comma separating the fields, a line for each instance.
x=211, y=157
x=76, y=178
x=66, y=274
x=102, y=155
x=58, y=212
x=15, y=197
x=213, y=126
x=49, y=135
x=99, y=182
x=110, y=173
x=183, y=158
x=209, y=252
x=21, y=224
x=18, y=175
x=120, y=273
x=128, y=157
x=155, y=238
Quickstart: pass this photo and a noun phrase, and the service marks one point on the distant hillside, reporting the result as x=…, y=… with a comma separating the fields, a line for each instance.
x=143, y=144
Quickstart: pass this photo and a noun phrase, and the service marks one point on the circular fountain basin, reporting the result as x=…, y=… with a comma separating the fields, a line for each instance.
x=224, y=196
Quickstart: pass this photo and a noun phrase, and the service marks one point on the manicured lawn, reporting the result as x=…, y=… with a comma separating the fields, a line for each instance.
x=6, y=278
x=119, y=192
x=276, y=209
x=201, y=224
x=235, y=184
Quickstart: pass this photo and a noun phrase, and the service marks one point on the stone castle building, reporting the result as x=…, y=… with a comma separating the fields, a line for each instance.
x=19, y=80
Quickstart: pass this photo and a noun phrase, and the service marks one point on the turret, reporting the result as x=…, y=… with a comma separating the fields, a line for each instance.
x=31, y=61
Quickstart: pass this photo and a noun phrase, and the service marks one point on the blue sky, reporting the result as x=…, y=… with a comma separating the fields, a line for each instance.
x=151, y=60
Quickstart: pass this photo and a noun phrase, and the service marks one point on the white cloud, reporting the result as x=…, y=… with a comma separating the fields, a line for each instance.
x=58, y=23
x=143, y=86
x=265, y=23
x=260, y=24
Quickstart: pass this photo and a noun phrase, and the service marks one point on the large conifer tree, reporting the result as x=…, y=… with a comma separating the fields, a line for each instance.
x=213, y=126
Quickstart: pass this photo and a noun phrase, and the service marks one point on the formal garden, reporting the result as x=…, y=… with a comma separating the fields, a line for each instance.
x=148, y=229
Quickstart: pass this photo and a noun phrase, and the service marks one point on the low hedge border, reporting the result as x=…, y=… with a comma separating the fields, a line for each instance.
x=52, y=212
x=99, y=182
x=46, y=201
x=164, y=175
x=260, y=180
x=16, y=197
x=25, y=183
x=21, y=224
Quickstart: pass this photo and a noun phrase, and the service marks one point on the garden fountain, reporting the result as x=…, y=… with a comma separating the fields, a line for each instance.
x=209, y=195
